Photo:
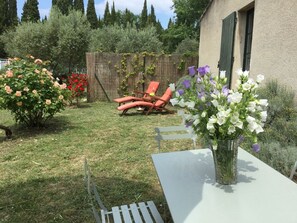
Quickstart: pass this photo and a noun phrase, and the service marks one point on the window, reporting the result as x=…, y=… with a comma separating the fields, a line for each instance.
x=248, y=39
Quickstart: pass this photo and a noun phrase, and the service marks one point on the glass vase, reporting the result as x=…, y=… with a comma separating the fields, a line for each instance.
x=225, y=161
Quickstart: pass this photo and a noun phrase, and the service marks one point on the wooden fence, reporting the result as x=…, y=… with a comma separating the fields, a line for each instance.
x=113, y=75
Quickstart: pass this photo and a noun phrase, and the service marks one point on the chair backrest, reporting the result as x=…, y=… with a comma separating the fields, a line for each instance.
x=164, y=99
x=152, y=87
x=93, y=193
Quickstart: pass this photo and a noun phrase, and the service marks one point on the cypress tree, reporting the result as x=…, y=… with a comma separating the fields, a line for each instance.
x=79, y=6
x=106, y=16
x=113, y=16
x=54, y=2
x=91, y=14
x=159, y=28
x=12, y=13
x=143, y=17
x=100, y=22
x=152, y=17
x=63, y=5
x=3, y=15
x=170, y=23
x=30, y=11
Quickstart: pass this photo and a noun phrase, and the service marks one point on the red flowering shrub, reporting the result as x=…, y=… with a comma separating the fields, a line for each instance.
x=77, y=84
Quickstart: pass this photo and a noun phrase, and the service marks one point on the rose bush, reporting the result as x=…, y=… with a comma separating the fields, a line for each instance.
x=30, y=91
x=77, y=84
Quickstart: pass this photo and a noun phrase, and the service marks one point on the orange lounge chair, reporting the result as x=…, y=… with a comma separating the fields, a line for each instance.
x=151, y=89
x=158, y=105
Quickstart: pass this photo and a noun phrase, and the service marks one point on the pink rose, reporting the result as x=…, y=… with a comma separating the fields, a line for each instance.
x=48, y=102
x=18, y=93
x=63, y=86
x=9, y=73
x=38, y=61
x=8, y=89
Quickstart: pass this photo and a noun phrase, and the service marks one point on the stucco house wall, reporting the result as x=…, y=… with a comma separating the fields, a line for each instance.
x=274, y=43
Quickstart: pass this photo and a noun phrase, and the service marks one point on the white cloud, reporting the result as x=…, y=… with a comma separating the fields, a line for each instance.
x=44, y=12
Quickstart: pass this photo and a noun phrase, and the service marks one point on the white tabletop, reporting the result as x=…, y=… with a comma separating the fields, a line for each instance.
x=261, y=194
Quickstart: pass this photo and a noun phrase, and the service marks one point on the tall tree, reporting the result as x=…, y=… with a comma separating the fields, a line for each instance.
x=3, y=15
x=12, y=13
x=152, y=17
x=30, y=11
x=106, y=16
x=54, y=2
x=91, y=14
x=63, y=5
x=143, y=17
x=113, y=16
x=170, y=23
x=188, y=13
x=79, y=5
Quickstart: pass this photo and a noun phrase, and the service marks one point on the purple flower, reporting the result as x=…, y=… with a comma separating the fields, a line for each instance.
x=192, y=71
x=181, y=91
x=203, y=70
x=212, y=81
x=256, y=147
x=201, y=94
x=225, y=90
x=187, y=83
x=241, y=138
x=189, y=123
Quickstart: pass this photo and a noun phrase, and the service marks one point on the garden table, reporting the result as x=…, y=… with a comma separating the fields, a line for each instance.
x=188, y=181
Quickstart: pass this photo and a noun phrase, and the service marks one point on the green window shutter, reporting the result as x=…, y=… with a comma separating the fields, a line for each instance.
x=227, y=45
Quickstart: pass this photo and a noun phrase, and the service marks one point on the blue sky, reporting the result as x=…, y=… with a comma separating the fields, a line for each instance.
x=162, y=8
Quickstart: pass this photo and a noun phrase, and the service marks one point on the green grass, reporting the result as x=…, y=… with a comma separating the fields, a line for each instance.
x=41, y=170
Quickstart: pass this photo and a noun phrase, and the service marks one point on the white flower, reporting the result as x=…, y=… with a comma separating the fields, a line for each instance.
x=252, y=126
x=263, y=102
x=221, y=120
x=190, y=104
x=231, y=129
x=250, y=119
x=246, y=86
x=235, y=97
x=174, y=101
x=222, y=74
x=203, y=115
x=260, y=78
x=196, y=122
x=212, y=119
x=263, y=116
x=172, y=87
x=246, y=73
x=210, y=127
x=259, y=129
x=239, y=72
x=177, y=94
x=239, y=124
x=215, y=103
x=181, y=103
x=252, y=106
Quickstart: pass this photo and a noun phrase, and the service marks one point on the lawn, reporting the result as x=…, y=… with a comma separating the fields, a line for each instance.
x=41, y=170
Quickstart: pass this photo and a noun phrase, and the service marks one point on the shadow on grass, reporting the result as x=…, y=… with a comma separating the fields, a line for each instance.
x=64, y=199
x=55, y=125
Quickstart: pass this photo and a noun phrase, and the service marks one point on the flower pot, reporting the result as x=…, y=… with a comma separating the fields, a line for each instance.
x=225, y=161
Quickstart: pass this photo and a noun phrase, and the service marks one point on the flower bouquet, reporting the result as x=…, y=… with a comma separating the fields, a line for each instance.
x=221, y=115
